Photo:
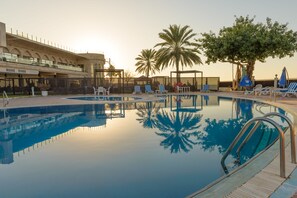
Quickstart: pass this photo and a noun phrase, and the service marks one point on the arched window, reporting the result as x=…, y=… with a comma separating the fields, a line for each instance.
x=27, y=58
x=16, y=52
x=5, y=50
x=45, y=57
x=54, y=60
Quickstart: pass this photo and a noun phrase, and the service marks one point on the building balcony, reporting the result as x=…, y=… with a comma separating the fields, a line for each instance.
x=12, y=58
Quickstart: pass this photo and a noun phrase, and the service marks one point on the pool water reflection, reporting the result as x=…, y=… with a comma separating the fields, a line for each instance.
x=154, y=149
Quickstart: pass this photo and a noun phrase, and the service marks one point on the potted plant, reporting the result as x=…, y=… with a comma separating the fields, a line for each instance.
x=43, y=88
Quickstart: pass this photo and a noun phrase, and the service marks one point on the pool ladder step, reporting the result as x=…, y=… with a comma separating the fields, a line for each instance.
x=257, y=121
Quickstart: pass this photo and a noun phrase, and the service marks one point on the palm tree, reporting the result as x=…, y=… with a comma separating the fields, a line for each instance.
x=146, y=62
x=177, y=49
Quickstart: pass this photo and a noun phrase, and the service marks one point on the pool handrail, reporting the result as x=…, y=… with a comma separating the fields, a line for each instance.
x=5, y=99
x=292, y=132
x=243, y=130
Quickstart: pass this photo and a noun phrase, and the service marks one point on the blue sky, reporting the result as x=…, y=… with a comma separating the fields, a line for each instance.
x=121, y=29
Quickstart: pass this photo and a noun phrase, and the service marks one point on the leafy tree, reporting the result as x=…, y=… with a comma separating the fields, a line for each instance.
x=177, y=48
x=247, y=42
x=146, y=62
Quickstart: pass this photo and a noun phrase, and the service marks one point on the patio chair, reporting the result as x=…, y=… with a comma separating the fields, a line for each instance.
x=148, y=89
x=292, y=89
x=161, y=89
x=137, y=89
x=107, y=91
x=101, y=90
x=95, y=91
x=179, y=89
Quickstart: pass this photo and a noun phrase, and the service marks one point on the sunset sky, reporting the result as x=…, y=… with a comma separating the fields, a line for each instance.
x=121, y=29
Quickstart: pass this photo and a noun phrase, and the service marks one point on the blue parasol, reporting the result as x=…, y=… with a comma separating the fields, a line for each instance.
x=283, y=79
x=245, y=82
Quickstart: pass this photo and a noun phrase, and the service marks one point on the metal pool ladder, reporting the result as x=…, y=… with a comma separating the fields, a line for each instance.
x=257, y=122
x=5, y=99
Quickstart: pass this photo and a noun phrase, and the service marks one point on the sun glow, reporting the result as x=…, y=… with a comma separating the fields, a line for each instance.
x=105, y=46
x=89, y=44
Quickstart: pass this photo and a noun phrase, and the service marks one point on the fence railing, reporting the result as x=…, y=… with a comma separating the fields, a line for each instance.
x=23, y=86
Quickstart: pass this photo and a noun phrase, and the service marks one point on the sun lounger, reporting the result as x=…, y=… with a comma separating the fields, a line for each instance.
x=205, y=88
x=148, y=89
x=137, y=89
x=292, y=89
x=161, y=89
x=264, y=91
x=254, y=91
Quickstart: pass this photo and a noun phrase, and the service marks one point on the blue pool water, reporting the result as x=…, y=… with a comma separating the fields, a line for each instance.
x=164, y=149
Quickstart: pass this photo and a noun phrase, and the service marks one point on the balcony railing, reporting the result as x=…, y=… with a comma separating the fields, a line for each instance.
x=42, y=63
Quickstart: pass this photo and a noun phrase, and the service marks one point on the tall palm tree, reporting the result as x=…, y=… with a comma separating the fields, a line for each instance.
x=177, y=49
x=146, y=62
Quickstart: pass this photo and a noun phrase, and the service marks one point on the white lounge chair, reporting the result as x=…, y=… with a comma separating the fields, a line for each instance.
x=264, y=91
x=254, y=91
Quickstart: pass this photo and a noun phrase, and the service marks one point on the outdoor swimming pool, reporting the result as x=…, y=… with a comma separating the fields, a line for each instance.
x=163, y=149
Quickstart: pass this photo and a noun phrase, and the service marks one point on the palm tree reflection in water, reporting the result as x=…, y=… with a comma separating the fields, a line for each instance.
x=147, y=114
x=180, y=129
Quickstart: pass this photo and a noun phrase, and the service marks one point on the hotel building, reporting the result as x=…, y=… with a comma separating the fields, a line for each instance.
x=22, y=57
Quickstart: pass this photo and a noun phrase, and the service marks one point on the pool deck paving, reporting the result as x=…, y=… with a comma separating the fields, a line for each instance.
x=266, y=183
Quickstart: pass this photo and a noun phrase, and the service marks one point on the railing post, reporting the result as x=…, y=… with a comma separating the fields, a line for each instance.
x=5, y=99
x=292, y=134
